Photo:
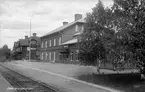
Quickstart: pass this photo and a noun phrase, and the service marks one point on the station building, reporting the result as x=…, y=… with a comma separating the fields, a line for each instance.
x=60, y=45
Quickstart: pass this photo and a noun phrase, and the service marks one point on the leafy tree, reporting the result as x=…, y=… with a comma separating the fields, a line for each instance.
x=115, y=33
x=95, y=36
x=5, y=52
x=131, y=23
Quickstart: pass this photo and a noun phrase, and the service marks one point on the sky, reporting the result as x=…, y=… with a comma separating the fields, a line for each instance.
x=45, y=16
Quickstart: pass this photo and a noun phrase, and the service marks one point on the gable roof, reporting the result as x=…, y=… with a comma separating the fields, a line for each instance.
x=36, y=38
x=64, y=27
x=16, y=44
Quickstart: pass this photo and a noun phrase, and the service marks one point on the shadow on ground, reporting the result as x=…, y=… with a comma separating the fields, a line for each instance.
x=129, y=82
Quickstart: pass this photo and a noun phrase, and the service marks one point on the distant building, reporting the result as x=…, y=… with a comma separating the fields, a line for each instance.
x=35, y=46
x=60, y=45
x=21, y=48
x=17, y=53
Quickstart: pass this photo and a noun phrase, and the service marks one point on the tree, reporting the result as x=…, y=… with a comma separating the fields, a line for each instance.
x=94, y=36
x=5, y=52
x=115, y=33
x=131, y=22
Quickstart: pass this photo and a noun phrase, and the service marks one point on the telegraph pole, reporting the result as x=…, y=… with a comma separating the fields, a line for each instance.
x=30, y=42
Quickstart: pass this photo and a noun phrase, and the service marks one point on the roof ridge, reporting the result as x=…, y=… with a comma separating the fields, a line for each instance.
x=64, y=27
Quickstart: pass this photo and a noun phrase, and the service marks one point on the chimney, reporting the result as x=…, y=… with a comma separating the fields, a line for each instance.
x=78, y=16
x=26, y=37
x=65, y=23
x=34, y=34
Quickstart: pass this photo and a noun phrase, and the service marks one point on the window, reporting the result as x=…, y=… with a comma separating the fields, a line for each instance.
x=20, y=48
x=33, y=43
x=77, y=55
x=42, y=45
x=82, y=28
x=50, y=43
x=71, y=56
x=76, y=28
x=60, y=56
x=54, y=42
x=46, y=55
x=45, y=44
x=59, y=40
x=54, y=56
x=42, y=56
x=49, y=55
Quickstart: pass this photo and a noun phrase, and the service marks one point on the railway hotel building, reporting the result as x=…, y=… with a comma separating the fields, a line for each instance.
x=60, y=45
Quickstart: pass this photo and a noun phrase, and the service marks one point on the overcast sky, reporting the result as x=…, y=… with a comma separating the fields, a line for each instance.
x=46, y=15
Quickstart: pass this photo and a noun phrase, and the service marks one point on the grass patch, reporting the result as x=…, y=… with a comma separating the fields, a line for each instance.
x=129, y=82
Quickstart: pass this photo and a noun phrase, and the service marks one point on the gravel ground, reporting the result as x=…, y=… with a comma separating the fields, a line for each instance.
x=69, y=69
x=60, y=83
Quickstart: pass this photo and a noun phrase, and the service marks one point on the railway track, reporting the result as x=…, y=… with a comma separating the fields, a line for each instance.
x=22, y=83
